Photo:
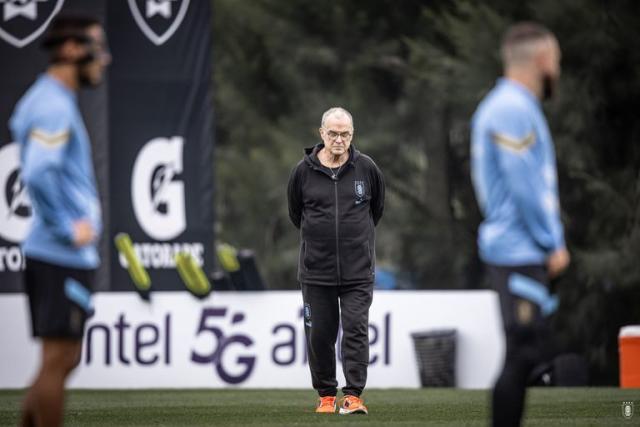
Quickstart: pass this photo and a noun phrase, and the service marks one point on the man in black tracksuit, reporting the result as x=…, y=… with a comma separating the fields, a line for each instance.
x=336, y=198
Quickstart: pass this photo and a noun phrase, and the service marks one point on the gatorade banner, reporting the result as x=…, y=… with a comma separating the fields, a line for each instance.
x=150, y=126
x=161, y=136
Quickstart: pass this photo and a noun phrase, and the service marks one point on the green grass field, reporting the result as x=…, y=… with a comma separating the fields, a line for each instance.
x=425, y=407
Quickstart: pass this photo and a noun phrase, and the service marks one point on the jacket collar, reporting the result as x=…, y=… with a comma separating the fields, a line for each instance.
x=311, y=155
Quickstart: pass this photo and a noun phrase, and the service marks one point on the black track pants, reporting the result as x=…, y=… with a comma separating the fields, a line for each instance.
x=325, y=307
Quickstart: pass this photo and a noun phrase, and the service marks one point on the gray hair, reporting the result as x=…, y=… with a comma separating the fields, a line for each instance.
x=335, y=111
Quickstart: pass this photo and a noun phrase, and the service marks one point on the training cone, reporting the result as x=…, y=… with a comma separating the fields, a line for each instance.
x=137, y=272
x=192, y=275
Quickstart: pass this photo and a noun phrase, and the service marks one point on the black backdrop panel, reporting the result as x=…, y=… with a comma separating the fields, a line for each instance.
x=161, y=131
x=150, y=126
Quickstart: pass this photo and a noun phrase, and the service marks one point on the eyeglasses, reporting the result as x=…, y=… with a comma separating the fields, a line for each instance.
x=334, y=135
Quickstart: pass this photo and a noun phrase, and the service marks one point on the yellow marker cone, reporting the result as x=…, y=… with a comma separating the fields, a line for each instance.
x=228, y=257
x=138, y=273
x=192, y=275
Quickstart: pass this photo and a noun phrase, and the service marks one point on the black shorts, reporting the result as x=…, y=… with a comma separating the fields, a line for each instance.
x=59, y=299
x=513, y=312
x=526, y=304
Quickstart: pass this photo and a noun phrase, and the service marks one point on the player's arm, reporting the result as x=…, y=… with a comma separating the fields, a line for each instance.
x=46, y=145
x=516, y=148
x=377, y=194
x=294, y=197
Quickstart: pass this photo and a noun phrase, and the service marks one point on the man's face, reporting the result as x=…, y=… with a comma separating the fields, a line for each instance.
x=93, y=72
x=337, y=133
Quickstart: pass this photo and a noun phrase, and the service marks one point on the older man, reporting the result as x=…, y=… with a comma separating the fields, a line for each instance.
x=514, y=174
x=336, y=198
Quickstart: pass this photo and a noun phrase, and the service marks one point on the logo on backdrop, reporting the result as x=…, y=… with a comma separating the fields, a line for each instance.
x=224, y=340
x=15, y=206
x=157, y=190
x=158, y=19
x=22, y=21
x=627, y=410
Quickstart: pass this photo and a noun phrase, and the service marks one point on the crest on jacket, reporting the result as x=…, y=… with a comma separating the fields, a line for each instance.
x=360, y=191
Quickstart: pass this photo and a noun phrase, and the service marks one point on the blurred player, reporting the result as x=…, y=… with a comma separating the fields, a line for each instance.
x=336, y=198
x=521, y=239
x=60, y=250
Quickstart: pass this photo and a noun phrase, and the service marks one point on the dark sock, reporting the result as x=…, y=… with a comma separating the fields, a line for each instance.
x=509, y=394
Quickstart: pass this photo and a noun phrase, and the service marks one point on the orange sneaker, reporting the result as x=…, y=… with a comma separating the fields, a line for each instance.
x=326, y=405
x=352, y=405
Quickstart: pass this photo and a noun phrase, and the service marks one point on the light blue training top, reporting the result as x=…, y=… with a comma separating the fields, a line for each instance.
x=58, y=172
x=514, y=175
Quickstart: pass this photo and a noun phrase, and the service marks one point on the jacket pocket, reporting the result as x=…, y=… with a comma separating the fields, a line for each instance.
x=356, y=260
x=318, y=255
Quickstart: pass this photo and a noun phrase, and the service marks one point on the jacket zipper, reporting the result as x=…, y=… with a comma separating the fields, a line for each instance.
x=335, y=190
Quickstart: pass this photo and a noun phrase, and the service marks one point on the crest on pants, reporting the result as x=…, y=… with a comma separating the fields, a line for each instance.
x=307, y=315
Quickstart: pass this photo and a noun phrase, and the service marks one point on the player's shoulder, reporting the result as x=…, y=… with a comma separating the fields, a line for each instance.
x=50, y=100
x=49, y=112
x=506, y=117
x=46, y=95
x=506, y=109
x=504, y=103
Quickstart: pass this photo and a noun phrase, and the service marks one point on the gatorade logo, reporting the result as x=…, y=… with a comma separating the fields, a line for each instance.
x=15, y=206
x=157, y=189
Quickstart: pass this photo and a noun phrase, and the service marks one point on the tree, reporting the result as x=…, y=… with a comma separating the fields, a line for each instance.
x=412, y=73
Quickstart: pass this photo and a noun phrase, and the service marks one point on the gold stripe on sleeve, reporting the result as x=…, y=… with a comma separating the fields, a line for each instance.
x=48, y=139
x=514, y=144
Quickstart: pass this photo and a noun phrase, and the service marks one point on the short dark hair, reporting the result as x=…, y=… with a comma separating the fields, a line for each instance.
x=66, y=27
x=520, y=34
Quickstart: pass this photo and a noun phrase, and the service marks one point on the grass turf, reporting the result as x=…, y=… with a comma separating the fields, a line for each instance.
x=236, y=407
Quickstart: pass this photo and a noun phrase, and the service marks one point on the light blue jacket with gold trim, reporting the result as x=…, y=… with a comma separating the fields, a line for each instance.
x=57, y=170
x=513, y=170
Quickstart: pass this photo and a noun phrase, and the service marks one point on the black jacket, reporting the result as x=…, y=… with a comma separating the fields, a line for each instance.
x=336, y=218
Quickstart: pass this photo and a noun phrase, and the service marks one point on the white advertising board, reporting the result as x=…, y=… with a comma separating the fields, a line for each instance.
x=251, y=340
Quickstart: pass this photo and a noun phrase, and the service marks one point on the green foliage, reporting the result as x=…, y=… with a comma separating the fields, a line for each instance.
x=412, y=73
